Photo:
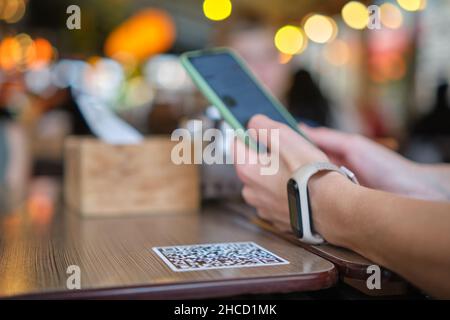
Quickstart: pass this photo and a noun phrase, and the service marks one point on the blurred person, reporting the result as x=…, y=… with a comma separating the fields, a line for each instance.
x=431, y=133
x=306, y=102
x=399, y=217
x=438, y=119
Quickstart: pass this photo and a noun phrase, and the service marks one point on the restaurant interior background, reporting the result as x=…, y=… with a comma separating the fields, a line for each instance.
x=317, y=56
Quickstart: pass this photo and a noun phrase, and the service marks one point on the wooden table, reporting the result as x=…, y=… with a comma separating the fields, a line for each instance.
x=352, y=267
x=116, y=259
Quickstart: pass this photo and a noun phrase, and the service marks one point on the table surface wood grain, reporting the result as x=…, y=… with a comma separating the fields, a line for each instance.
x=116, y=259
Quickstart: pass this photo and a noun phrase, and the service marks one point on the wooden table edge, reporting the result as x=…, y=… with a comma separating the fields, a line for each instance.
x=198, y=290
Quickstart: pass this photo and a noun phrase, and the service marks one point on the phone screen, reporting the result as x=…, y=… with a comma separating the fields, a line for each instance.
x=243, y=97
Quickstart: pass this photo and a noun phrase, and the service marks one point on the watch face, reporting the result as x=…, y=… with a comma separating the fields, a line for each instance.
x=294, y=208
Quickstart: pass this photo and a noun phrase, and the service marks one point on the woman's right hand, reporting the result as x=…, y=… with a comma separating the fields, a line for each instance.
x=374, y=165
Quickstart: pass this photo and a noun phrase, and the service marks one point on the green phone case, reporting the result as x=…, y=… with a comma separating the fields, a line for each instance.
x=215, y=100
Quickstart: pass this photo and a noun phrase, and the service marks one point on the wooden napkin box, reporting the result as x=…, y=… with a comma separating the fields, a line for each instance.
x=112, y=180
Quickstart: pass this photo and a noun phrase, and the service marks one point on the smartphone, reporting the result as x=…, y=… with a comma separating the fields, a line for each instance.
x=228, y=84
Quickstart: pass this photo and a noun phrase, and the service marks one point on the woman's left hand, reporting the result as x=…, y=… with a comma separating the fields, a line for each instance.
x=268, y=193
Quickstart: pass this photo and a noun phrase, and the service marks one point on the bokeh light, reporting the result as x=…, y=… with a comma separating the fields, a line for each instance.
x=38, y=80
x=391, y=16
x=22, y=53
x=28, y=51
x=320, y=28
x=412, y=5
x=387, y=67
x=12, y=10
x=138, y=93
x=355, y=15
x=63, y=73
x=40, y=209
x=165, y=72
x=290, y=40
x=103, y=79
x=148, y=32
x=10, y=53
x=43, y=51
x=284, y=58
x=337, y=53
x=217, y=10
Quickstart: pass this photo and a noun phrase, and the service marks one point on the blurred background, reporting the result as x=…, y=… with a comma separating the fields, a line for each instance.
x=326, y=60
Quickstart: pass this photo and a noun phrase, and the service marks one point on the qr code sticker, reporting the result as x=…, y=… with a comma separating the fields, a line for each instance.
x=217, y=256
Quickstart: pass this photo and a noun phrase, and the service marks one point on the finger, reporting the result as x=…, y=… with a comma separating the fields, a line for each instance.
x=242, y=154
x=259, y=134
x=330, y=141
x=279, y=134
x=249, y=195
x=275, y=217
x=246, y=163
x=337, y=160
x=265, y=215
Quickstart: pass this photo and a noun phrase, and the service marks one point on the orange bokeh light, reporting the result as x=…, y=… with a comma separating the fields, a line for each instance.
x=43, y=51
x=40, y=208
x=149, y=32
x=387, y=67
x=10, y=53
x=284, y=58
x=20, y=52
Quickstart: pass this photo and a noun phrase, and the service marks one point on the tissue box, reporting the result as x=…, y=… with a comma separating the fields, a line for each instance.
x=111, y=180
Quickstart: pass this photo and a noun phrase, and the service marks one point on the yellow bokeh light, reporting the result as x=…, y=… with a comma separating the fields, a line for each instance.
x=217, y=10
x=12, y=10
x=337, y=53
x=355, y=15
x=28, y=52
x=412, y=5
x=320, y=29
x=290, y=40
x=18, y=12
x=391, y=16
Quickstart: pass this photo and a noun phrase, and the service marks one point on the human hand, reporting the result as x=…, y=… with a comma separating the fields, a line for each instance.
x=268, y=193
x=374, y=165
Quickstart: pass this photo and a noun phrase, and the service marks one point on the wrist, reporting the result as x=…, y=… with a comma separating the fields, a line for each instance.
x=331, y=195
x=428, y=182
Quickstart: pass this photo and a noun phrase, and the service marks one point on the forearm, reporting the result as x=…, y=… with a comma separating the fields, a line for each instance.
x=410, y=237
x=437, y=177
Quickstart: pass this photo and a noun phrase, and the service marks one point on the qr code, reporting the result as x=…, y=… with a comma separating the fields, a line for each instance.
x=217, y=256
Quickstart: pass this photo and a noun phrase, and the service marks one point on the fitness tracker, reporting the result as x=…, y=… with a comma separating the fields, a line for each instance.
x=298, y=198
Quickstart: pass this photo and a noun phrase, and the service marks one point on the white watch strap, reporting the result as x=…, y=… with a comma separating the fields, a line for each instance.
x=302, y=177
